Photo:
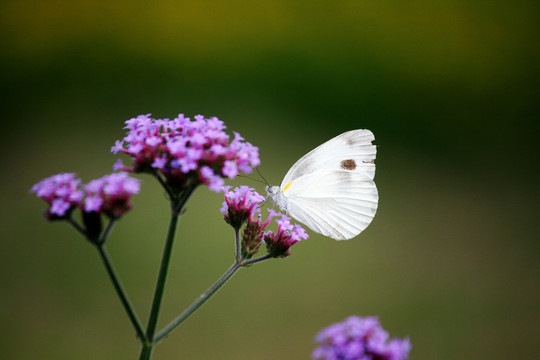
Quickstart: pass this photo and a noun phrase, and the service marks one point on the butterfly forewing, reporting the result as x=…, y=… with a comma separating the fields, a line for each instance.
x=351, y=151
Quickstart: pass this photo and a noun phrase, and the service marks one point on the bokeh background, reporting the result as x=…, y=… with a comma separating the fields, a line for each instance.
x=450, y=89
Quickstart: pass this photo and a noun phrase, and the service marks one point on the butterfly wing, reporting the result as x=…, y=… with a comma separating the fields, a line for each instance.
x=337, y=203
x=351, y=151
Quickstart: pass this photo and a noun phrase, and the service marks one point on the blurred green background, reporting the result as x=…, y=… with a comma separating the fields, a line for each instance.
x=450, y=89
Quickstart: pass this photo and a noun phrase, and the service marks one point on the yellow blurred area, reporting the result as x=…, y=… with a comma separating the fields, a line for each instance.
x=475, y=39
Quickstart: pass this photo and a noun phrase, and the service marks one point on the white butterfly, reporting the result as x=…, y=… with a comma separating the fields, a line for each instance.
x=331, y=188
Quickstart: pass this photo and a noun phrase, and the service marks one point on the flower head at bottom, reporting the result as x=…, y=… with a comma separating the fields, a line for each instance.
x=358, y=338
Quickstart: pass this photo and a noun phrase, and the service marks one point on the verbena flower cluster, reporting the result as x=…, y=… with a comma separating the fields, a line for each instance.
x=185, y=152
x=278, y=243
x=61, y=192
x=241, y=207
x=109, y=195
x=359, y=338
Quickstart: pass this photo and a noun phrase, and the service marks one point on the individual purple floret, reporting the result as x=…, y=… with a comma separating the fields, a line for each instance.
x=61, y=192
x=185, y=152
x=241, y=206
x=110, y=194
x=359, y=338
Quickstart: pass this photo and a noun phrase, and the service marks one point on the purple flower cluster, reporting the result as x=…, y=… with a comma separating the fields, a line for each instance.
x=111, y=194
x=359, y=338
x=186, y=152
x=278, y=243
x=240, y=207
x=63, y=192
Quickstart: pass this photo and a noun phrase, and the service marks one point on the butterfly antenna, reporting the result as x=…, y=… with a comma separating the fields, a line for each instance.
x=267, y=184
x=258, y=172
x=250, y=178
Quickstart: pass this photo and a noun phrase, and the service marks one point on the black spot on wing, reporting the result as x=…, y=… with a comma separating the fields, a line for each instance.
x=348, y=164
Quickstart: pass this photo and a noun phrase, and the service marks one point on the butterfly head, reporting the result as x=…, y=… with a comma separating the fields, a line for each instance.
x=276, y=196
x=272, y=190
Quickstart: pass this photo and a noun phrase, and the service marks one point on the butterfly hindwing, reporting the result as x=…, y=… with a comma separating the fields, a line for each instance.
x=336, y=203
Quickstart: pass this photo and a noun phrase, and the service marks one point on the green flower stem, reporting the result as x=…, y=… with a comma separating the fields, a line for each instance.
x=198, y=303
x=177, y=205
x=100, y=246
x=257, y=260
x=160, y=286
x=77, y=226
x=107, y=231
x=121, y=293
x=165, y=186
x=238, y=251
x=146, y=351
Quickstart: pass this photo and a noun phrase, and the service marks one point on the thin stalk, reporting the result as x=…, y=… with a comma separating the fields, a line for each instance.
x=162, y=277
x=257, y=260
x=165, y=186
x=77, y=226
x=121, y=293
x=199, y=302
x=238, y=251
x=177, y=206
x=146, y=351
x=107, y=231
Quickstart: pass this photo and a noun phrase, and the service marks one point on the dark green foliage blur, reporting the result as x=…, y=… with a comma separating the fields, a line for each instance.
x=449, y=88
